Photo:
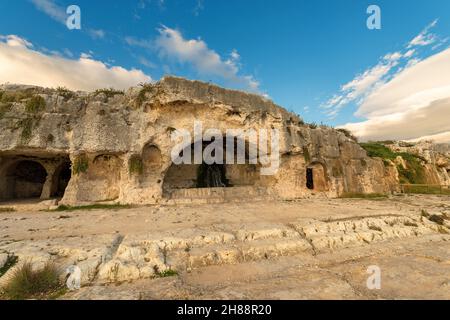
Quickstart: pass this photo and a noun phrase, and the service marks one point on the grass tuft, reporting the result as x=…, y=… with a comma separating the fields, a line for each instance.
x=65, y=93
x=7, y=209
x=5, y=107
x=108, y=92
x=93, y=207
x=11, y=261
x=29, y=283
x=35, y=104
x=426, y=189
x=165, y=273
x=17, y=95
x=142, y=95
x=27, y=125
x=355, y=195
x=348, y=134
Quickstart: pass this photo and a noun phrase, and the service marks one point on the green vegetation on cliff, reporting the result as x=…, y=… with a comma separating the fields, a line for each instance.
x=413, y=174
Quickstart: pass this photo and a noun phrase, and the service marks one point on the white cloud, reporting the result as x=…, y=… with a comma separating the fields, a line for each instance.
x=424, y=38
x=389, y=66
x=195, y=52
x=415, y=104
x=360, y=86
x=50, y=8
x=19, y=63
x=415, y=87
x=409, y=53
x=145, y=62
x=146, y=44
x=15, y=41
x=96, y=34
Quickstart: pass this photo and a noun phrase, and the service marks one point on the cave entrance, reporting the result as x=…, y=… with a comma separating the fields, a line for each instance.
x=61, y=179
x=212, y=176
x=27, y=179
x=240, y=173
x=316, y=177
x=310, y=178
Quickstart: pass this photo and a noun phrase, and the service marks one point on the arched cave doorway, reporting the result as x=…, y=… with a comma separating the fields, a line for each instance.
x=216, y=175
x=26, y=179
x=316, y=178
x=212, y=176
x=61, y=179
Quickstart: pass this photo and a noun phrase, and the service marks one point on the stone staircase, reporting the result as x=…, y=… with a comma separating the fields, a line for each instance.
x=141, y=256
x=217, y=195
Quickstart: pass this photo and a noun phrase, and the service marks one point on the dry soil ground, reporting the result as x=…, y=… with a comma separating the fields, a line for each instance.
x=305, y=249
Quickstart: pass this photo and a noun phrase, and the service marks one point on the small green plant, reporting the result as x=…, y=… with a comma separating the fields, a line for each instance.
x=355, y=195
x=146, y=88
x=164, y=274
x=414, y=173
x=424, y=213
x=35, y=104
x=109, y=92
x=27, y=128
x=378, y=150
x=426, y=189
x=65, y=93
x=80, y=165
x=348, y=134
x=11, y=261
x=92, y=207
x=29, y=283
x=5, y=107
x=17, y=96
x=7, y=209
x=135, y=165
x=313, y=125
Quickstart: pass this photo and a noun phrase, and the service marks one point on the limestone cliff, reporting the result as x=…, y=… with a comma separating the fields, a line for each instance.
x=116, y=146
x=434, y=159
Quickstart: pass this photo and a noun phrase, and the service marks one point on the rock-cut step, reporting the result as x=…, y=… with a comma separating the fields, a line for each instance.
x=216, y=195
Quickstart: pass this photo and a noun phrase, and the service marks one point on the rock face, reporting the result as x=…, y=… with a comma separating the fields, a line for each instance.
x=435, y=159
x=116, y=146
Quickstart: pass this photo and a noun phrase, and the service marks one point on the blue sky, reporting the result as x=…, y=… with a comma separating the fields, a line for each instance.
x=299, y=53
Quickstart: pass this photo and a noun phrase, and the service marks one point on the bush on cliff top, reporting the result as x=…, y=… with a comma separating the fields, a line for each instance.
x=108, y=92
x=35, y=104
x=413, y=174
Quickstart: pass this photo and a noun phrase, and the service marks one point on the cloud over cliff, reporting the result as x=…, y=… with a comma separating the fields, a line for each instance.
x=21, y=63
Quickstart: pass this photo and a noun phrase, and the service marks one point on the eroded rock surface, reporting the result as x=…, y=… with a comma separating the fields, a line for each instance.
x=114, y=146
x=291, y=237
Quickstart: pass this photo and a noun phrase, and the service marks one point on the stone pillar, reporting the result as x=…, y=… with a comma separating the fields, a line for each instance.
x=48, y=185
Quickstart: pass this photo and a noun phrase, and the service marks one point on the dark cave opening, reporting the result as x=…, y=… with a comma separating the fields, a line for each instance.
x=28, y=179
